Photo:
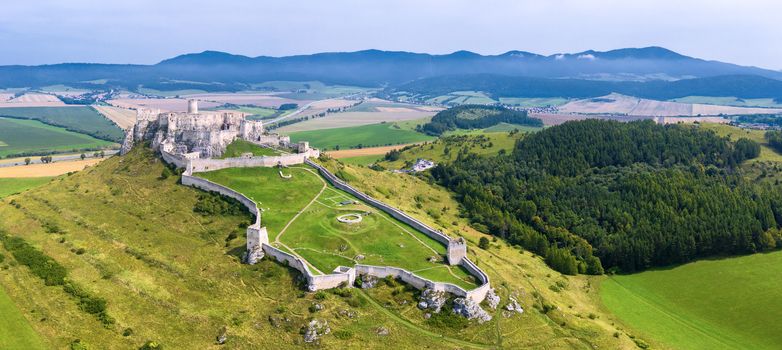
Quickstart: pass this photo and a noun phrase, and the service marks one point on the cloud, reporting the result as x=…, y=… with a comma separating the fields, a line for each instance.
x=587, y=56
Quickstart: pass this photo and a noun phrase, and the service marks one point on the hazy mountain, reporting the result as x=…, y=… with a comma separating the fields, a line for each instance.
x=212, y=70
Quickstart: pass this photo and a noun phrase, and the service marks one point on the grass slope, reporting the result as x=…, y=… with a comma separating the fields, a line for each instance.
x=10, y=186
x=236, y=148
x=82, y=119
x=575, y=321
x=712, y=304
x=447, y=148
x=382, y=134
x=33, y=137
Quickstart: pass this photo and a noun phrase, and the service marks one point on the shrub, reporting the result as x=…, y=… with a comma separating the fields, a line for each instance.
x=320, y=295
x=447, y=319
x=127, y=332
x=151, y=345
x=483, y=243
x=51, y=272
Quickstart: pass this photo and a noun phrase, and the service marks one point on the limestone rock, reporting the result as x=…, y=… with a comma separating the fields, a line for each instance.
x=315, y=330
x=254, y=255
x=382, y=331
x=492, y=299
x=368, y=281
x=513, y=305
x=222, y=337
x=470, y=309
x=432, y=299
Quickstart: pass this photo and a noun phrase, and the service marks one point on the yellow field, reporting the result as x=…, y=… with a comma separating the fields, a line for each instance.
x=123, y=117
x=348, y=153
x=44, y=170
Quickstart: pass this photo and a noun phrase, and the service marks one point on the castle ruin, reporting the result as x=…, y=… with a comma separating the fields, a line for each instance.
x=197, y=134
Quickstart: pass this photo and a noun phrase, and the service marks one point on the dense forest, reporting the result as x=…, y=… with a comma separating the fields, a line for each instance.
x=476, y=117
x=595, y=194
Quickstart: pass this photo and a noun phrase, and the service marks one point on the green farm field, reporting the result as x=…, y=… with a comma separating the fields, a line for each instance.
x=533, y=102
x=15, y=331
x=729, y=303
x=81, y=119
x=382, y=134
x=730, y=101
x=18, y=136
x=10, y=186
x=447, y=148
x=316, y=235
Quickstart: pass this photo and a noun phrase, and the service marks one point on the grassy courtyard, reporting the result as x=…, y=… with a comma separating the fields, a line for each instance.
x=321, y=239
x=238, y=147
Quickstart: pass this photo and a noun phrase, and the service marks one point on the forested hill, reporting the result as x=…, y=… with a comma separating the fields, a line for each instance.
x=476, y=117
x=635, y=195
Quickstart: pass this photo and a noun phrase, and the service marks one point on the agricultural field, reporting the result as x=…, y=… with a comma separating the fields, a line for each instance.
x=123, y=117
x=10, y=186
x=315, y=208
x=254, y=99
x=362, y=160
x=81, y=119
x=382, y=134
x=533, y=102
x=730, y=303
x=349, y=119
x=730, y=101
x=15, y=330
x=463, y=98
x=633, y=106
x=309, y=90
x=29, y=100
x=238, y=147
x=19, y=136
x=47, y=170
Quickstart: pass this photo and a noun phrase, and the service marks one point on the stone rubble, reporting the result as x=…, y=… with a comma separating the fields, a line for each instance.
x=382, y=331
x=470, y=310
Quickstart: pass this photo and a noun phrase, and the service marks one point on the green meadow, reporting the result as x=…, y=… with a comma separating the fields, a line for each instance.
x=374, y=135
x=15, y=331
x=19, y=136
x=729, y=303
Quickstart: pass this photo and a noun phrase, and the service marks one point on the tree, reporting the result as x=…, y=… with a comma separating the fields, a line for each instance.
x=27, y=161
x=483, y=243
x=83, y=156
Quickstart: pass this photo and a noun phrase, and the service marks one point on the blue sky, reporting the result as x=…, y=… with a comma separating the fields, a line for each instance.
x=746, y=32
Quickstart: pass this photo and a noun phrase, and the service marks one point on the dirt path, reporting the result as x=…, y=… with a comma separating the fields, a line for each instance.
x=314, y=199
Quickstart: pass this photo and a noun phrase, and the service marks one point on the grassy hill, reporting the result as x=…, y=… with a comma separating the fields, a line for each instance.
x=126, y=234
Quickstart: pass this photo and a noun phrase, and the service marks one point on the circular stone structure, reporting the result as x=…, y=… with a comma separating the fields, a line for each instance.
x=353, y=218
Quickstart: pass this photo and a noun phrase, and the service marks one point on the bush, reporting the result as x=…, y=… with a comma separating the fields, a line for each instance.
x=151, y=345
x=212, y=203
x=51, y=272
x=483, y=243
x=127, y=332
x=447, y=319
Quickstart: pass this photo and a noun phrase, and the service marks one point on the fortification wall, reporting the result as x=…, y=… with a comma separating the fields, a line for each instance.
x=477, y=294
x=314, y=282
x=396, y=213
x=201, y=165
x=256, y=235
x=410, y=278
x=179, y=162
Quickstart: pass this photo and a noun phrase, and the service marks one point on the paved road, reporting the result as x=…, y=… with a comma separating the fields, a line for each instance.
x=55, y=158
x=307, y=106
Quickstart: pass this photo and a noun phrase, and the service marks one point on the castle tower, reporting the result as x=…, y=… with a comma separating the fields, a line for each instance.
x=256, y=238
x=457, y=250
x=192, y=106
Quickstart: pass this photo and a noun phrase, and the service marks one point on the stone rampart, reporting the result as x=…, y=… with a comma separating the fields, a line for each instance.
x=201, y=165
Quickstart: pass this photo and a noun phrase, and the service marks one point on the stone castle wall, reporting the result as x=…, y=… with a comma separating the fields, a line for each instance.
x=257, y=235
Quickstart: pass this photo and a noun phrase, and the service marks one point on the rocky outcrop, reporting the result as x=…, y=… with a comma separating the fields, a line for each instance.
x=492, y=299
x=368, y=281
x=513, y=305
x=315, y=330
x=432, y=299
x=470, y=309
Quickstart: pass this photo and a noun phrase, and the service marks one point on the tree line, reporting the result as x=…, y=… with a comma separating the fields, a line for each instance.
x=596, y=194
